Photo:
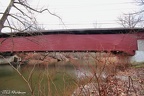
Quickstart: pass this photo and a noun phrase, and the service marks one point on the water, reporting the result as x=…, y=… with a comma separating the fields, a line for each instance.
x=43, y=80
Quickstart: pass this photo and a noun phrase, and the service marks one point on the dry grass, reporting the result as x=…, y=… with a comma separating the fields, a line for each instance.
x=102, y=80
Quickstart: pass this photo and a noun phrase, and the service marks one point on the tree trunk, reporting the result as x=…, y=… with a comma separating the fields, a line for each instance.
x=5, y=15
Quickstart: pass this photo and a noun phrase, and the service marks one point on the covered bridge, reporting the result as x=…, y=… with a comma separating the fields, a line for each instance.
x=107, y=39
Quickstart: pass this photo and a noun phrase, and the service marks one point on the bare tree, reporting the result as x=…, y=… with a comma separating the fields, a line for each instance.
x=134, y=19
x=130, y=20
x=23, y=17
x=141, y=3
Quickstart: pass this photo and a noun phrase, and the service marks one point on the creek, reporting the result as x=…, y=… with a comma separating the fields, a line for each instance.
x=57, y=78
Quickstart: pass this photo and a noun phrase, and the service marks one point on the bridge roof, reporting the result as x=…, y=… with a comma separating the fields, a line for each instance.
x=77, y=31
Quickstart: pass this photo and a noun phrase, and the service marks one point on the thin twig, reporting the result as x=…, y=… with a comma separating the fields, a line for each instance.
x=29, y=86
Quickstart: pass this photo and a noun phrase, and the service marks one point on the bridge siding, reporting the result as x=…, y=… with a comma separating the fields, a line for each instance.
x=71, y=42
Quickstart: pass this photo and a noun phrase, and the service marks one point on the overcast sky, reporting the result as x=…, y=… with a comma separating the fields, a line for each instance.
x=80, y=13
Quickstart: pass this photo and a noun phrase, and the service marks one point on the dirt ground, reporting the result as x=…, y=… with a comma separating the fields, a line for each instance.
x=128, y=82
x=133, y=79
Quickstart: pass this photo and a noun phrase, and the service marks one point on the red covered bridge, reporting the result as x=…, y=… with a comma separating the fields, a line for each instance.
x=113, y=40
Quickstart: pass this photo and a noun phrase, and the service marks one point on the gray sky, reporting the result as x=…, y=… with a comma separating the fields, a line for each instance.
x=80, y=13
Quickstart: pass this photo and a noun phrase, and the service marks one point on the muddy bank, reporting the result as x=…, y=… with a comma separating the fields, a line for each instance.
x=45, y=58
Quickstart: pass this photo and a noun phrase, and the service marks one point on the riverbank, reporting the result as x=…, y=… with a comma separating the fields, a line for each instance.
x=66, y=79
x=129, y=82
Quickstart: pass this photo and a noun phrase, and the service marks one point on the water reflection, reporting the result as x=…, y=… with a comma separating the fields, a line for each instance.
x=6, y=70
x=60, y=74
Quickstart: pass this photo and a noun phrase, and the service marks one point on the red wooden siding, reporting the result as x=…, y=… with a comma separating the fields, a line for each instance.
x=71, y=42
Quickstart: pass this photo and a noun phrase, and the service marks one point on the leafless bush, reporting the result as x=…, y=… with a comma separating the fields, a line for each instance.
x=99, y=78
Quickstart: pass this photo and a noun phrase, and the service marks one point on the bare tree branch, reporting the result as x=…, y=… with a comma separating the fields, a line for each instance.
x=26, y=18
x=38, y=11
x=130, y=20
x=22, y=12
x=17, y=19
x=5, y=15
x=11, y=28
